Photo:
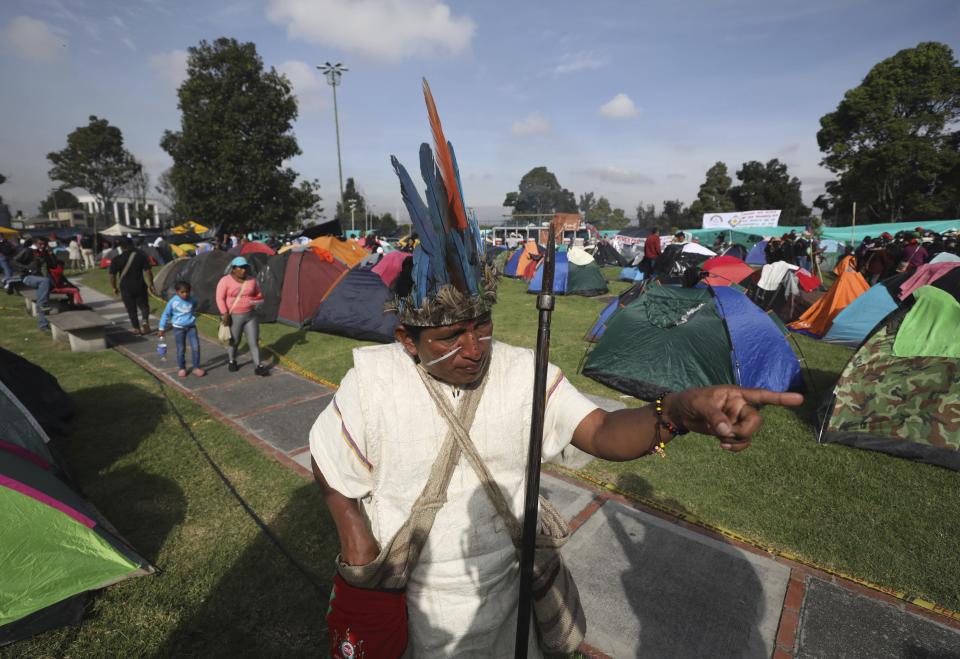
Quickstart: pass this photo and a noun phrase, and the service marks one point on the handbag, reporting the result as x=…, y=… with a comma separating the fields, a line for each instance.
x=561, y=623
x=224, y=335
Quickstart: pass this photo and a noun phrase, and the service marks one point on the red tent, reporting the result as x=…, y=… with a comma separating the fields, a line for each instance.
x=306, y=282
x=726, y=270
x=255, y=247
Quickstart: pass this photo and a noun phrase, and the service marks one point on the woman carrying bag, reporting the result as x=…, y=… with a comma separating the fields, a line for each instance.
x=237, y=296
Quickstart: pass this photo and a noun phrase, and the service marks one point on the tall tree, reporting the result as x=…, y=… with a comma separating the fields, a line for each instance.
x=586, y=203
x=893, y=140
x=677, y=216
x=95, y=160
x=770, y=187
x=352, y=198
x=714, y=195
x=603, y=216
x=386, y=225
x=138, y=189
x=235, y=136
x=540, y=193
x=59, y=199
x=309, y=203
x=646, y=215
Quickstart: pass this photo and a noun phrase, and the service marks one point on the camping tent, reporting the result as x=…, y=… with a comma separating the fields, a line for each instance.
x=900, y=393
x=349, y=252
x=575, y=273
x=726, y=270
x=190, y=227
x=677, y=257
x=170, y=274
x=256, y=247
x=38, y=391
x=390, y=265
x=671, y=338
x=606, y=254
x=757, y=254
x=307, y=280
x=630, y=274
x=523, y=263
x=858, y=320
x=354, y=308
x=118, y=229
x=9, y=234
x=817, y=319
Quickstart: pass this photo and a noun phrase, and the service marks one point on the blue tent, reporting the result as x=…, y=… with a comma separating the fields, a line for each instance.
x=857, y=320
x=560, y=272
x=572, y=279
x=354, y=308
x=510, y=270
x=630, y=274
x=757, y=256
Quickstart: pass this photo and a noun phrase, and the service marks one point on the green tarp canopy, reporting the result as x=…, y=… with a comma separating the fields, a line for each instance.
x=861, y=231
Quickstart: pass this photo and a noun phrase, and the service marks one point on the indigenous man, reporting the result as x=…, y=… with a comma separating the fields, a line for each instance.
x=376, y=446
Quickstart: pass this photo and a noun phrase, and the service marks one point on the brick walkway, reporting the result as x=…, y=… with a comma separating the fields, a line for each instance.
x=651, y=584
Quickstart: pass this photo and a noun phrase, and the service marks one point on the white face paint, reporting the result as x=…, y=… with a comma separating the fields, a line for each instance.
x=442, y=357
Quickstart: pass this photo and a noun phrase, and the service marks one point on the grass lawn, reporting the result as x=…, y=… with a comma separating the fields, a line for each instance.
x=879, y=518
x=224, y=589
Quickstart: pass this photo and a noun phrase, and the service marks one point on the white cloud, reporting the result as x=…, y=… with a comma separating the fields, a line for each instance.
x=170, y=66
x=307, y=85
x=619, y=107
x=532, y=124
x=34, y=40
x=614, y=174
x=380, y=29
x=582, y=61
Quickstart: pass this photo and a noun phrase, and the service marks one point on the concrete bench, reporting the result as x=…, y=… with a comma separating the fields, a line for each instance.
x=83, y=330
x=58, y=301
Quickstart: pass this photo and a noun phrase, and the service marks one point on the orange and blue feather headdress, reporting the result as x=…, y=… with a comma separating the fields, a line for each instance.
x=450, y=281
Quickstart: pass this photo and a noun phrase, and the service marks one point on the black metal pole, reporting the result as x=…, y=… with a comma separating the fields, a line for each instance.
x=545, y=303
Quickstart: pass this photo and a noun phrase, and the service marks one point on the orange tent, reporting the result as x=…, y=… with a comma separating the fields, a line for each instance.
x=844, y=264
x=530, y=257
x=819, y=317
x=348, y=252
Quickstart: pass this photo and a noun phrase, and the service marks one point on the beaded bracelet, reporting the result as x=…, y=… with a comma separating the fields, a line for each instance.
x=675, y=431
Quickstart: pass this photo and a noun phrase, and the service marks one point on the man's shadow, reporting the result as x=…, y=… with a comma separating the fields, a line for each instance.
x=263, y=604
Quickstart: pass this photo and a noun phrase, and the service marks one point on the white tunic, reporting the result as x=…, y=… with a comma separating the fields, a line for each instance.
x=378, y=440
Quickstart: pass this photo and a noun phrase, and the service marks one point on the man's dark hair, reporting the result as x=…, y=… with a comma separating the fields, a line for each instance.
x=654, y=229
x=413, y=332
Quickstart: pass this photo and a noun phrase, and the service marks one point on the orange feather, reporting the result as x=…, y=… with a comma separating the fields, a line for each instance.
x=445, y=163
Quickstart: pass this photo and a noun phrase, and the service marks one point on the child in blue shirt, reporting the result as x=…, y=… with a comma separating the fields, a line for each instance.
x=181, y=312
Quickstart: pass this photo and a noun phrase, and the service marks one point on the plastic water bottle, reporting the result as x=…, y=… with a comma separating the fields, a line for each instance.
x=162, y=350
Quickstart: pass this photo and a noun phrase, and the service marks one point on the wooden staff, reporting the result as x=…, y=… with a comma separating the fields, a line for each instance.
x=531, y=508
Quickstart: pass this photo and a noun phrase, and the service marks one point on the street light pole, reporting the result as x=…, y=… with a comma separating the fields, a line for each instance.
x=353, y=207
x=333, y=73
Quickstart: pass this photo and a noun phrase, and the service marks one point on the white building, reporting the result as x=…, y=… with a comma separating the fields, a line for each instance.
x=125, y=209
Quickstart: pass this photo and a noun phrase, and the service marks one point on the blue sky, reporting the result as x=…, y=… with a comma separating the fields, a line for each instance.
x=630, y=100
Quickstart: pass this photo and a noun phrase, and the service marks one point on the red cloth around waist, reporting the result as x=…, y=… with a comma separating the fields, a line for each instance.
x=366, y=623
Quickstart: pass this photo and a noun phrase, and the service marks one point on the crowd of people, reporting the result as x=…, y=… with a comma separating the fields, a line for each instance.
x=885, y=255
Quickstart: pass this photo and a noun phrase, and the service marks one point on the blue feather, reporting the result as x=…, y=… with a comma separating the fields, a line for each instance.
x=429, y=172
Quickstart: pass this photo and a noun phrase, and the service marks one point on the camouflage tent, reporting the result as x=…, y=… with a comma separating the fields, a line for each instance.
x=897, y=395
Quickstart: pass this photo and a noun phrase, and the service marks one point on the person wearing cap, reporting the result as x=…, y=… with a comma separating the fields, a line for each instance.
x=421, y=454
x=238, y=295
x=132, y=266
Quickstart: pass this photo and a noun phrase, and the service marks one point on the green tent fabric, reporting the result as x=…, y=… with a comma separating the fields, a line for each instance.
x=670, y=331
x=932, y=327
x=52, y=546
x=586, y=280
x=905, y=406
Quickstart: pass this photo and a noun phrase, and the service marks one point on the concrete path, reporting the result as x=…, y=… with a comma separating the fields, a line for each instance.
x=651, y=585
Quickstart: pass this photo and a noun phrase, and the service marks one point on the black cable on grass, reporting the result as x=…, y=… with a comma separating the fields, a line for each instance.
x=306, y=572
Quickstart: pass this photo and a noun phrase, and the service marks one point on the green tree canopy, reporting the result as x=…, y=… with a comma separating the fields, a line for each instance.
x=359, y=205
x=59, y=199
x=770, y=187
x=893, y=141
x=95, y=160
x=542, y=194
x=603, y=216
x=234, y=137
x=646, y=215
x=714, y=195
x=676, y=216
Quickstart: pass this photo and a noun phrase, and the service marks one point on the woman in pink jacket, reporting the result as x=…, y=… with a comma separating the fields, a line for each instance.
x=238, y=295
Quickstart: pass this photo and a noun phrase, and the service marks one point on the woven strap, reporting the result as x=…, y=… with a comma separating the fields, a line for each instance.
x=126, y=266
x=392, y=567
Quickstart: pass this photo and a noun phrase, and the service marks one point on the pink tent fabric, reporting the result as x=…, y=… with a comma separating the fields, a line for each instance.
x=925, y=274
x=390, y=265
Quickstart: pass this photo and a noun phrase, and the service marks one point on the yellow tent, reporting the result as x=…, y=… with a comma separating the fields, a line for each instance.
x=189, y=226
x=186, y=249
x=9, y=234
x=348, y=251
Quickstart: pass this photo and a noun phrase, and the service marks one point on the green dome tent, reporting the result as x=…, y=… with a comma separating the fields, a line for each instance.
x=900, y=394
